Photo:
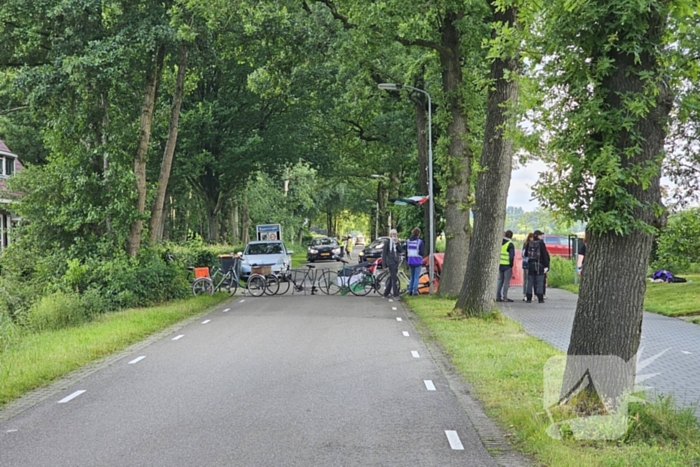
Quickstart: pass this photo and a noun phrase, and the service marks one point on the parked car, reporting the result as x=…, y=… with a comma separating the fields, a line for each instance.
x=557, y=245
x=360, y=240
x=322, y=248
x=373, y=250
x=262, y=253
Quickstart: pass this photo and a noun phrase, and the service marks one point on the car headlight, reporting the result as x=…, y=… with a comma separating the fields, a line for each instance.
x=313, y=251
x=336, y=251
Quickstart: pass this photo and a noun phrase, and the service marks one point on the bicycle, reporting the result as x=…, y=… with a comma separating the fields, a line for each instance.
x=298, y=279
x=230, y=281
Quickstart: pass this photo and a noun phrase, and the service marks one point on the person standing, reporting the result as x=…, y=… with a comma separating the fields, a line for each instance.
x=525, y=266
x=348, y=246
x=505, y=268
x=415, y=252
x=391, y=258
x=538, y=264
x=581, y=256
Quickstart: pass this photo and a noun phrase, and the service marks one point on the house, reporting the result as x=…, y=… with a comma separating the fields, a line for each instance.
x=9, y=165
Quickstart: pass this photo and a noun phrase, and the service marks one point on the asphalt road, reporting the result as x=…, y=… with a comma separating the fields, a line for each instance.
x=273, y=381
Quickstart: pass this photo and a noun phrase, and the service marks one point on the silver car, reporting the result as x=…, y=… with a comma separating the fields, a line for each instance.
x=265, y=253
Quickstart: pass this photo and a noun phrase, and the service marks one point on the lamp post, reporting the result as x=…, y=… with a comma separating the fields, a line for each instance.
x=376, y=217
x=431, y=204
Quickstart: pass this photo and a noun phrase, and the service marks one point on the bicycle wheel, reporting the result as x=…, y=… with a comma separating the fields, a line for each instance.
x=363, y=285
x=284, y=283
x=256, y=285
x=272, y=285
x=202, y=286
x=232, y=284
x=403, y=282
x=328, y=282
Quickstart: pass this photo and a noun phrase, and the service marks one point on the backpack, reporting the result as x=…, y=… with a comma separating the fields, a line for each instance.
x=533, y=251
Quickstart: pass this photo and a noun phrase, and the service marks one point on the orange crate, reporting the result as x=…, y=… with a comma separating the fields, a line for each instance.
x=201, y=272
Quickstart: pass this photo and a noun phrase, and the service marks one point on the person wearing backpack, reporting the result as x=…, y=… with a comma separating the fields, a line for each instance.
x=538, y=264
x=505, y=268
x=415, y=252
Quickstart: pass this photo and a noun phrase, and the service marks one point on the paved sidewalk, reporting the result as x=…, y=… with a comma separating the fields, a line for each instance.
x=677, y=341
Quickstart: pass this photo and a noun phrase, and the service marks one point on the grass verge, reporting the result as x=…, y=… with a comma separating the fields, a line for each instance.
x=37, y=359
x=505, y=366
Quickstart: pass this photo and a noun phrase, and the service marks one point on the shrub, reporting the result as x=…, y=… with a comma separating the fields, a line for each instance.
x=678, y=245
x=57, y=311
x=9, y=331
x=561, y=271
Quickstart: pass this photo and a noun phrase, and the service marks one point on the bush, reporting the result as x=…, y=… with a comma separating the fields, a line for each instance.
x=57, y=311
x=678, y=245
x=561, y=271
x=9, y=331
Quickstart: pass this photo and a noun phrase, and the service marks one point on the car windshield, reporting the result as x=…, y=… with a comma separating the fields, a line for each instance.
x=377, y=244
x=264, y=249
x=323, y=242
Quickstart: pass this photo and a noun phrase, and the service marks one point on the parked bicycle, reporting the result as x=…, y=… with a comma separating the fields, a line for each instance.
x=228, y=281
x=298, y=279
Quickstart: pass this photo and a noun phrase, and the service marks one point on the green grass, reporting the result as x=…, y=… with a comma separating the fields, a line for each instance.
x=676, y=299
x=37, y=359
x=505, y=366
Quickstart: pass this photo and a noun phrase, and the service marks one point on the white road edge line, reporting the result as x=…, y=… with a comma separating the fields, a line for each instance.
x=405, y=333
x=178, y=337
x=415, y=354
x=136, y=360
x=429, y=385
x=71, y=397
x=399, y=319
x=206, y=321
x=453, y=438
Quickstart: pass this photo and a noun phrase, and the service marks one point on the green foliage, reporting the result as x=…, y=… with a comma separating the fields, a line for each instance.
x=561, y=271
x=678, y=245
x=662, y=423
x=56, y=311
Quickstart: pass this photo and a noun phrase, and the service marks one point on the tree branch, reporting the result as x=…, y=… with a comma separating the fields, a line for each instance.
x=361, y=132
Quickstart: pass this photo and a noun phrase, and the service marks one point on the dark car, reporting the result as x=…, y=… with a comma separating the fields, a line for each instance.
x=373, y=250
x=322, y=248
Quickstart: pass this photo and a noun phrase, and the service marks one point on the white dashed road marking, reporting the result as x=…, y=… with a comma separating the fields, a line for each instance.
x=241, y=301
x=686, y=352
x=136, y=360
x=393, y=308
x=12, y=431
x=415, y=354
x=429, y=385
x=178, y=337
x=405, y=333
x=71, y=397
x=227, y=309
x=454, y=440
x=399, y=319
x=206, y=321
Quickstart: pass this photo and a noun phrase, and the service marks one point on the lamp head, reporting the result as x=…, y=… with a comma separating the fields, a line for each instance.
x=390, y=86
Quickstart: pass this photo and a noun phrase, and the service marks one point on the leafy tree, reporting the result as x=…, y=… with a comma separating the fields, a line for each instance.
x=678, y=245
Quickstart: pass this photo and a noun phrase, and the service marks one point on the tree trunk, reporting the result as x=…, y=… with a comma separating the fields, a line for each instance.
x=234, y=223
x=479, y=286
x=609, y=311
x=245, y=226
x=156, y=224
x=457, y=226
x=149, y=101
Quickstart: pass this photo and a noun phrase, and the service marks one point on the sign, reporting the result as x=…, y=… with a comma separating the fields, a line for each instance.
x=269, y=232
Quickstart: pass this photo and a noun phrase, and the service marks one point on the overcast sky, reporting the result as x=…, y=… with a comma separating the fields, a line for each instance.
x=520, y=183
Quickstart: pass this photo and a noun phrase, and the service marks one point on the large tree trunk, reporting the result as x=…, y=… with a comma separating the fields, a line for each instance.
x=156, y=224
x=608, y=318
x=149, y=101
x=234, y=223
x=457, y=226
x=479, y=287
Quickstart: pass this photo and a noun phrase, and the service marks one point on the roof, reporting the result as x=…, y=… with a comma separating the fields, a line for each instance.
x=4, y=148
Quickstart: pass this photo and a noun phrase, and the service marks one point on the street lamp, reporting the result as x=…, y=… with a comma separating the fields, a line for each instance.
x=431, y=204
x=376, y=217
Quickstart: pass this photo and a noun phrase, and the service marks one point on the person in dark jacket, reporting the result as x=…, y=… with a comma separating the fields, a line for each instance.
x=415, y=251
x=505, y=268
x=538, y=263
x=391, y=259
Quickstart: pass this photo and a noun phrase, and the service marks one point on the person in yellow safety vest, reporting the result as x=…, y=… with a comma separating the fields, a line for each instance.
x=505, y=268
